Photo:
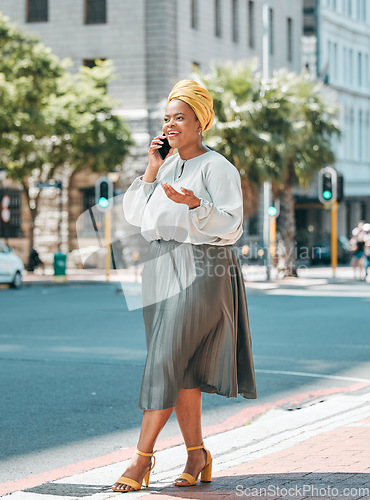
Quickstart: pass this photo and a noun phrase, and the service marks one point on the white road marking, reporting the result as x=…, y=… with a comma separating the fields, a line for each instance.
x=314, y=375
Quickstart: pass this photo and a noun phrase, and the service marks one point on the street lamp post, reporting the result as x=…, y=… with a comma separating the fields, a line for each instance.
x=266, y=185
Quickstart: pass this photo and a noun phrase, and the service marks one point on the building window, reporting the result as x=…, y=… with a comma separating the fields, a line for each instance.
x=13, y=228
x=290, y=38
x=329, y=64
x=194, y=14
x=367, y=132
x=352, y=132
x=344, y=64
x=37, y=11
x=359, y=70
x=95, y=11
x=364, y=11
x=271, y=30
x=253, y=224
x=350, y=69
x=218, y=18
x=90, y=63
x=251, y=24
x=366, y=71
x=234, y=14
x=335, y=61
x=349, y=8
x=360, y=132
x=359, y=10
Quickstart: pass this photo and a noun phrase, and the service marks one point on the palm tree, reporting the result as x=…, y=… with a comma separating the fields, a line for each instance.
x=234, y=134
x=302, y=122
x=277, y=129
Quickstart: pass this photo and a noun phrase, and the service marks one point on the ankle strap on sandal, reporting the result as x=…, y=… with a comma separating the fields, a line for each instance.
x=147, y=455
x=195, y=447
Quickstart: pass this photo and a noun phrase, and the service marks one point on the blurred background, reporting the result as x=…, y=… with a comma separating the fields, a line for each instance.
x=88, y=103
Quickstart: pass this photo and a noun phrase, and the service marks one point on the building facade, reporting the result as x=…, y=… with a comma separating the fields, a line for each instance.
x=153, y=44
x=336, y=49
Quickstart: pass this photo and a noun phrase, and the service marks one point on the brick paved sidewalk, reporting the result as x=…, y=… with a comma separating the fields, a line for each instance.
x=333, y=464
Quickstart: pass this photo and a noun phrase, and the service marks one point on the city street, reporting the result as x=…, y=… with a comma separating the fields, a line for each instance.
x=72, y=359
x=131, y=132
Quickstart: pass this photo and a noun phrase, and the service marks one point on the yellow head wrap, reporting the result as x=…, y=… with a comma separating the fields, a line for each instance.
x=198, y=98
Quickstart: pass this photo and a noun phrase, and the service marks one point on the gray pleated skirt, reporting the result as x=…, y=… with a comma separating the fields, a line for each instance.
x=196, y=324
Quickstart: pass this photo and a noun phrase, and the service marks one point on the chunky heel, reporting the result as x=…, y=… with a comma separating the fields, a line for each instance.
x=146, y=479
x=206, y=473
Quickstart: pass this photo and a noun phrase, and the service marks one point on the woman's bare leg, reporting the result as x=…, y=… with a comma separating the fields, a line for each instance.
x=152, y=424
x=188, y=413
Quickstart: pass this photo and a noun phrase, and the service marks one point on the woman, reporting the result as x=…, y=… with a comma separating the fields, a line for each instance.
x=189, y=208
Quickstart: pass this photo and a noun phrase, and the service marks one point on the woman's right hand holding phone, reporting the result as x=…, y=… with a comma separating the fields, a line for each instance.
x=154, y=160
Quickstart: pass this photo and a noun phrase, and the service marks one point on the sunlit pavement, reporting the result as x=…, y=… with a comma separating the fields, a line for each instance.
x=292, y=449
x=251, y=273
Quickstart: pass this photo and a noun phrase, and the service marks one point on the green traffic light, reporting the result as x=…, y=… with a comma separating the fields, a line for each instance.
x=103, y=202
x=327, y=195
x=272, y=211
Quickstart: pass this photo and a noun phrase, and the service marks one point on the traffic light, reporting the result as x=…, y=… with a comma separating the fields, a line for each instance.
x=327, y=187
x=103, y=194
x=274, y=210
x=330, y=186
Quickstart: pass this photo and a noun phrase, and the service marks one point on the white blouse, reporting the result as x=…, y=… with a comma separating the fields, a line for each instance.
x=212, y=178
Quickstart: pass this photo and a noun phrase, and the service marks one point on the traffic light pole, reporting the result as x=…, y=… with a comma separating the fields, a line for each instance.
x=107, y=236
x=330, y=184
x=273, y=241
x=334, y=236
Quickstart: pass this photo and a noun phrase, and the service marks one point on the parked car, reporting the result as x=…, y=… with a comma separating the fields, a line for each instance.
x=11, y=267
x=321, y=251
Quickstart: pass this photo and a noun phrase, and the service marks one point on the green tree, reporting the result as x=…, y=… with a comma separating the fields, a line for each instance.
x=275, y=129
x=87, y=134
x=28, y=75
x=51, y=119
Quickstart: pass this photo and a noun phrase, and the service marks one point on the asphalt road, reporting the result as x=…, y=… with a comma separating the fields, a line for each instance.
x=72, y=359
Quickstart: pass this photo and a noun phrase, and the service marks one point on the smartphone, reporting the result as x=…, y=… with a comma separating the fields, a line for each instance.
x=164, y=149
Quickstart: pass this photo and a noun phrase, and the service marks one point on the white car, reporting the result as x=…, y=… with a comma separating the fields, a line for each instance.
x=11, y=267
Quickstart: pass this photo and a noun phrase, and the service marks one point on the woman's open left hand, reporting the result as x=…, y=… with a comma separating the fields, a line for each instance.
x=187, y=196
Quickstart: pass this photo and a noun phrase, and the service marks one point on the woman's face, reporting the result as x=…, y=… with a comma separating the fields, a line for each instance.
x=181, y=125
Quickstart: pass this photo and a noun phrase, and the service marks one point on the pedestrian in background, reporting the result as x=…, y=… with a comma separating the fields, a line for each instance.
x=358, y=249
x=190, y=208
x=367, y=249
x=34, y=261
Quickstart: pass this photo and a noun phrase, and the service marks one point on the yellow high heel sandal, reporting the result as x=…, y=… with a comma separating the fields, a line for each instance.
x=205, y=473
x=131, y=482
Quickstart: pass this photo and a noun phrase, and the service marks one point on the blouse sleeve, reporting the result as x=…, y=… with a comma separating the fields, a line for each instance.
x=223, y=216
x=135, y=199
